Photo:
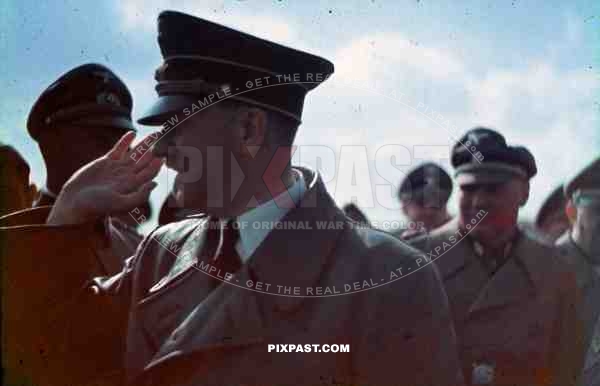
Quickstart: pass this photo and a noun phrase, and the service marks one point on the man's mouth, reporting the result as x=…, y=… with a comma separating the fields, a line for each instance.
x=494, y=219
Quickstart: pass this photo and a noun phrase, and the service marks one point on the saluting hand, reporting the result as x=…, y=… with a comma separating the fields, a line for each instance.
x=115, y=182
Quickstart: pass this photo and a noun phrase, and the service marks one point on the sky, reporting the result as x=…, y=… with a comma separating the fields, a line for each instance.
x=410, y=78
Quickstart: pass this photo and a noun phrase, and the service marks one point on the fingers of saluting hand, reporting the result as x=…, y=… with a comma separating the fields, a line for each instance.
x=120, y=149
x=131, y=181
x=122, y=158
x=149, y=172
x=141, y=154
x=122, y=170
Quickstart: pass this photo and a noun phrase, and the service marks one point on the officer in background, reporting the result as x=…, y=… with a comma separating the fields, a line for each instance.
x=580, y=249
x=77, y=119
x=16, y=192
x=512, y=299
x=551, y=220
x=424, y=195
x=183, y=326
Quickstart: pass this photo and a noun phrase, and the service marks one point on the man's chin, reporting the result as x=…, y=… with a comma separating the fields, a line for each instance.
x=474, y=227
x=483, y=233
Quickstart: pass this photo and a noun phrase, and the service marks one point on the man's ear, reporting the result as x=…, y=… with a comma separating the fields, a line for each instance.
x=32, y=194
x=571, y=212
x=524, y=193
x=255, y=121
x=252, y=131
x=403, y=207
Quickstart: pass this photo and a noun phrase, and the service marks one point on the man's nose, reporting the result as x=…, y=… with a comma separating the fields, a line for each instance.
x=480, y=199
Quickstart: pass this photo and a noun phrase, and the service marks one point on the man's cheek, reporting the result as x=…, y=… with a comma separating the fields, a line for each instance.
x=463, y=204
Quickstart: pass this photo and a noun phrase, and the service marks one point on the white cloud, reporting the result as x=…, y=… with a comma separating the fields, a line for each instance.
x=384, y=56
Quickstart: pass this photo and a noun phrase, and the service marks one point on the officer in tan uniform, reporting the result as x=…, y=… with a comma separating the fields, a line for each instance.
x=580, y=249
x=512, y=300
x=203, y=298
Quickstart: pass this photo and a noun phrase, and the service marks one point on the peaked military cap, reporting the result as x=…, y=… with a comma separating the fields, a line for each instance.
x=204, y=59
x=482, y=156
x=426, y=183
x=587, y=178
x=90, y=95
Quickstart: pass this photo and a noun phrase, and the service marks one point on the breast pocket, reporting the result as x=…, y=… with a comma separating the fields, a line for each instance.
x=515, y=338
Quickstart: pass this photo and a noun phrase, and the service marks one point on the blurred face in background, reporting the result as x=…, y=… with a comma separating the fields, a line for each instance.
x=16, y=192
x=586, y=230
x=494, y=208
x=87, y=144
x=66, y=149
x=429, y=215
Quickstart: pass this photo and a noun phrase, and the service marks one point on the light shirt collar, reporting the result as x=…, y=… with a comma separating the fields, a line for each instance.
x=492, y=262
x=480, y=249
x=256, y=223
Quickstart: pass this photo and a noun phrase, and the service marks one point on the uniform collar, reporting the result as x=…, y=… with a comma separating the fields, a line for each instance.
x=480, y=251
x=588, y=257
x=257, y=223
x=492, y=262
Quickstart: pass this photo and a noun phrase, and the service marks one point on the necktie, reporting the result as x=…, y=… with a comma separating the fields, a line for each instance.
x=225, y=256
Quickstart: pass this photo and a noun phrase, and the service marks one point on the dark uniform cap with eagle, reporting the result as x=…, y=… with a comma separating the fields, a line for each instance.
x=202, y=58
x=428, y=183
x=90, y=95
x=482, y=156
